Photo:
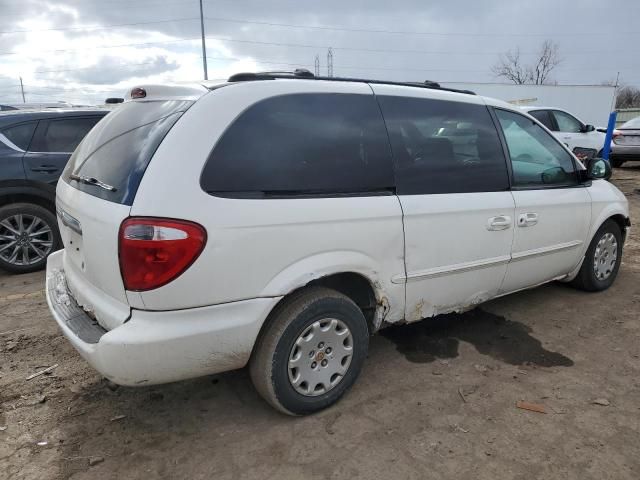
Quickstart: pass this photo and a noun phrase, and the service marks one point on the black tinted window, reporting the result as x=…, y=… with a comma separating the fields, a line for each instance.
x=20, y=135
x=544, y=118
x=302, y=144
x=443, y=147
x=62, y=135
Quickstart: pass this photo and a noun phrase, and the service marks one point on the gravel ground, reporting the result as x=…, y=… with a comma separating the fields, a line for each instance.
x=435, y=400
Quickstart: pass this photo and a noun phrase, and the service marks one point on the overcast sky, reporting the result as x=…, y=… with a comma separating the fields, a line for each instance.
x=80, y=51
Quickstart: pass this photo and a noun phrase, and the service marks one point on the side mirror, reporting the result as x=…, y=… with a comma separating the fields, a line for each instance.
x=588, y=128
x=598, y=168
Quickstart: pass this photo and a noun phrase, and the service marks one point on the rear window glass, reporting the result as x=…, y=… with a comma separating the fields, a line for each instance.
x=20, y=135
x=633, y=123
x=303, y=144
x=117, y=151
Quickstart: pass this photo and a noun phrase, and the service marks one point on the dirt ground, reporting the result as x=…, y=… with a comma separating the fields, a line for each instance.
x=435, y=400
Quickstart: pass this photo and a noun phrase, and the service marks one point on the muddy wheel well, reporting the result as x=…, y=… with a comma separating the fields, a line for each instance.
x=357, y=288
x=622, y=222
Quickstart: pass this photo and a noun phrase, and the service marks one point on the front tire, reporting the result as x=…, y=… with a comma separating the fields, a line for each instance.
x=602, y=259
x=28, y=234
x=311, y=351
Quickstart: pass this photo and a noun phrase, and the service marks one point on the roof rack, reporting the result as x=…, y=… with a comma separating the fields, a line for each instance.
x=303, y=73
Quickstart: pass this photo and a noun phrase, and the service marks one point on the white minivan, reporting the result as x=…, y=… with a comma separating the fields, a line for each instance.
x=279, y=220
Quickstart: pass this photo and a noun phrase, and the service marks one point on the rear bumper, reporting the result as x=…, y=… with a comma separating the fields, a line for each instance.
x=159, y=347
x=625, y=152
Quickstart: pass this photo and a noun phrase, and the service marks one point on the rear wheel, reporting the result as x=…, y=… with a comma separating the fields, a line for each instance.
x=602, y=260
x=311, y=352
x=28, y=234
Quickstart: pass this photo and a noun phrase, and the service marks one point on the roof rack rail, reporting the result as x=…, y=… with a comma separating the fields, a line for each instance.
x=303, y=73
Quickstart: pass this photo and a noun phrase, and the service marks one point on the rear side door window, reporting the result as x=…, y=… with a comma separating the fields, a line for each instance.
x=61, y=135
x=544, y=118
x=324, y=144
x=537, y=158
x=443, y=147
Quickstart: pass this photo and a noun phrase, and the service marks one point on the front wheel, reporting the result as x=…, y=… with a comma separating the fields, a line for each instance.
x=310, y=352
x=602, y=260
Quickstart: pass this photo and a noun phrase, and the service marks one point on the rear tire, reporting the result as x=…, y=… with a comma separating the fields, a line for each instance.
x=28, y=234
x=602, y=259
x=310, y=352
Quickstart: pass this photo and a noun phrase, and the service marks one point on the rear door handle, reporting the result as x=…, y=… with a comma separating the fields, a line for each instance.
x=501, y=222
x=45, y=169
x=527, y=219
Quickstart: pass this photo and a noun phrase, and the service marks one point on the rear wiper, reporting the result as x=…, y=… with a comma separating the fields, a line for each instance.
x=91, y=181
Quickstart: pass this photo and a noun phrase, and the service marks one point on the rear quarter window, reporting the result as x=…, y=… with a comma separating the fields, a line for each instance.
x=302, y=144
x=20, y=135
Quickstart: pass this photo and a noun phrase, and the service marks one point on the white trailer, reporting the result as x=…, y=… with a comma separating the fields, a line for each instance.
x=590, y=103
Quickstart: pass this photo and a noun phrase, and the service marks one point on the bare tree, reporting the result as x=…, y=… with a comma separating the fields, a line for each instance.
x=628, y=97
x=510, y=66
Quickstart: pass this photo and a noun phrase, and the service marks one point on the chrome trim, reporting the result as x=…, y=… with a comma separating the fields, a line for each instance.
x=68, y=220
x=451, y=269
x=545, y=250
x=485, y=263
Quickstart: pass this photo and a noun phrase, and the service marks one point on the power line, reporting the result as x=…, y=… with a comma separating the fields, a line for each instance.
x=410, y=32
x=104, y=27
x=298, y=45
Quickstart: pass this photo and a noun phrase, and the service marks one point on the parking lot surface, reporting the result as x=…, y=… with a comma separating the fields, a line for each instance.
x=436, y=399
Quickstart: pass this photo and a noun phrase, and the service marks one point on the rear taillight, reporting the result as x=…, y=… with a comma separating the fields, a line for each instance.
x=155, y=251
x=616, y=135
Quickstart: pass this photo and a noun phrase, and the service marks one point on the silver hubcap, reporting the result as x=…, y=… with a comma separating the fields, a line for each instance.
x=605, y=256
x=320, y=357
x=24, y=239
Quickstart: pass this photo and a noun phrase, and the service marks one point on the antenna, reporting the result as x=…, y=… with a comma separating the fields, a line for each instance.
x=330, y=62
x=317, y=66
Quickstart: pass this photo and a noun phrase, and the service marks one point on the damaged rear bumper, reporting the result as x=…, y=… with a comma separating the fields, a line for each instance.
x=158, y=347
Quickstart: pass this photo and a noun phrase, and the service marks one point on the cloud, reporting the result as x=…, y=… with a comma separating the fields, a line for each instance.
x=450, y=41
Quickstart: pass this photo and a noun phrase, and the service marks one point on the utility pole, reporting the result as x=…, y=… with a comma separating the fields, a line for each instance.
x=204, y=46
x=317, y=65
x=330, y=62
x=22, y=90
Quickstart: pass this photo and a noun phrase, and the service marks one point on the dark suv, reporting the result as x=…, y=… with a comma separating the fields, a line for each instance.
x=34, y=148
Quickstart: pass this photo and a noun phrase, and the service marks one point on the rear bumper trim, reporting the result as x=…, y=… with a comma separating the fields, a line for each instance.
x=63, y=304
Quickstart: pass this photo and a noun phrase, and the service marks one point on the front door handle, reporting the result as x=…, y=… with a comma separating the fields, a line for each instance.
x=501, y=222
x=45, y=169
x=527, y=219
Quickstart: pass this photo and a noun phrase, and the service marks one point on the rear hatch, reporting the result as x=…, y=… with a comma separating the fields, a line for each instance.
x=95, y=195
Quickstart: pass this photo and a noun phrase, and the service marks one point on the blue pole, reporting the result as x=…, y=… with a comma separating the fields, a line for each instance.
x=607, y=139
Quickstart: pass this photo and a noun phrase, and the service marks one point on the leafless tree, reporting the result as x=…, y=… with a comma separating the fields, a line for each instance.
x=511, y=67
x=628, y=97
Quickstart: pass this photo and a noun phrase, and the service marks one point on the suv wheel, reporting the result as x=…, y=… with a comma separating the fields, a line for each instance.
x=602, y=260
x=311, y=351
x=28, y=234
